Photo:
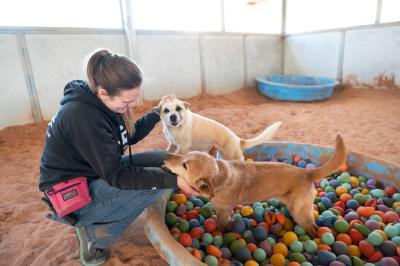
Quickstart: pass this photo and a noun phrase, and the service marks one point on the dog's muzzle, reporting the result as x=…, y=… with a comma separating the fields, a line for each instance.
x=173, y=119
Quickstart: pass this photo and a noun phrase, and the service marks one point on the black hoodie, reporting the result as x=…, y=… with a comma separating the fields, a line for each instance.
x=86, y=138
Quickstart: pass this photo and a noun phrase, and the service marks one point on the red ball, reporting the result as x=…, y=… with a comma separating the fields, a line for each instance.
x=210, y=225
x=390, y=190
x=378, y=255
x=192, y=214
x=355, y=235
x=185, y=239
x=366, y=248
x=391, y=217
x=197, y=232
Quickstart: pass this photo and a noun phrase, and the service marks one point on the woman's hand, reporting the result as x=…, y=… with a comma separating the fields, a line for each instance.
x=185, y=187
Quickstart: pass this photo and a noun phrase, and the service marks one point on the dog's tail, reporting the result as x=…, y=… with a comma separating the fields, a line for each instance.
x=334, y=163
x=263, y=137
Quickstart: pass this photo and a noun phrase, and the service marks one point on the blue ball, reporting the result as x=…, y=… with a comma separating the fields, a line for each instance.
x=239, y=226
x=352, y=204
x=258, y=217
x=354, y=191
x=195, y=243
x=329, y=221
x=331, y=196
x=327, y=202
x=226, y=253
x=243, y=254
x=194, y=223
x=260, y=233
x=302, y=164
x=197, y=202
x=325, y=257
x=334, y=183
x=344, y=259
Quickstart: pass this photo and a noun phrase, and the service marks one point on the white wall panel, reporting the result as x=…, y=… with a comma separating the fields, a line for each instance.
x=312, y=55
x=58, y=58
x=223, y=63
x=15, y=107
x=170, y=64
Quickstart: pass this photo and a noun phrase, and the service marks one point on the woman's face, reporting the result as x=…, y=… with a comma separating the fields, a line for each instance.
x=121, y=102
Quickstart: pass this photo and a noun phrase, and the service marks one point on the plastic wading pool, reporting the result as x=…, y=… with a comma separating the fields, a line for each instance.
x=358, y=164
x=296, y=88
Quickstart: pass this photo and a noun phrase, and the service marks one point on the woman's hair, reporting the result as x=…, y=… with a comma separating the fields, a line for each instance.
x=114, y=73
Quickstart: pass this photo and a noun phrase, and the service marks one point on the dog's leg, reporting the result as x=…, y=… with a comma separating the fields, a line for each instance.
x=223, y=216
x=172, y=148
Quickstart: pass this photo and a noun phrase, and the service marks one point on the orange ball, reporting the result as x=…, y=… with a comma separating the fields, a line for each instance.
x=365, y=211
x=345, y=197
x=281, y=249
x=345, y=238
x=354, y=251
x=251, y=263
x=324, y=247
x=323, y=230
x=251, y=247
x=179, y=198
x=277, y=260
x=196, y=253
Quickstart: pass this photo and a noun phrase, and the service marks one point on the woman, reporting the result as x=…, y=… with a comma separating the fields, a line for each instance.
x=87, y=138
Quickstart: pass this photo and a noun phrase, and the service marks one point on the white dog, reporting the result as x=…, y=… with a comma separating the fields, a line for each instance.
x=187, y=131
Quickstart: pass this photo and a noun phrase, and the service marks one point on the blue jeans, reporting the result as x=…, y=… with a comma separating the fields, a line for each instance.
x=113, y=210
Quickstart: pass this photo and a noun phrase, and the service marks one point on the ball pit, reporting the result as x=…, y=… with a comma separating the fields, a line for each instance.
x=357, y=212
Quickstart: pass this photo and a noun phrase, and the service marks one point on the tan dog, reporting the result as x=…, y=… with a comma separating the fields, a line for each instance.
x=229, y=183
x=187, y=131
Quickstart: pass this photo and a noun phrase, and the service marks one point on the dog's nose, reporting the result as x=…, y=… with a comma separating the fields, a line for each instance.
x=172, y=118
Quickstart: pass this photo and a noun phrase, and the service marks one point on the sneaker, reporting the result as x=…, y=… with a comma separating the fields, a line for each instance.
x=90, y=255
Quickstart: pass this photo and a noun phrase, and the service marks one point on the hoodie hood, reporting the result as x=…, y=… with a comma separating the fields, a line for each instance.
x=78, y=90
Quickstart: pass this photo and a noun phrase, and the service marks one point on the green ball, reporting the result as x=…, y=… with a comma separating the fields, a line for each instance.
x=296, y=246
x=306, y=263
x=375, y=238
x=329, y=189
x=207, y=238
x=237, y=216
x=211, y=260
x=324, y=183
x=304, y=238
x=317, y=199
x=170, y=218
x=321, y=207
x=274, y=202
x=344, y=178
x=228, y=238
x=236, y=245
x=362, y=178
x=271, y=241
x=206, y=211
x=396, y=197
x=391, y=231
x=298, y=257
x=257, y=204
x=189, y=205
x=341, y=226
x=299, y=230
x=375, y=218
x=218, y=241
x=327, y=213
x=347, y=185
x=183, y=225
x=378, y=193
x=171, y=206
x=259, y=210
x=310, y=246
x=259, y=254
x=356, y=261
x=360, y=197
x=328, y=238
x=396, y=240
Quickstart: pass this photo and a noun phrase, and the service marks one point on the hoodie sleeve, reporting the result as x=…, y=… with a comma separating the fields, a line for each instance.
x=144, y=126
x=96, y=143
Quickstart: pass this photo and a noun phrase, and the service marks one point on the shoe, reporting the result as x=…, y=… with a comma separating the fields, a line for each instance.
x=90, y=255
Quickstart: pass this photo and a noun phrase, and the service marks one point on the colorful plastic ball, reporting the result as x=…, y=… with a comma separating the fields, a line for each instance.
x=226, y=253
x=206, y=211
x=242, y=254
x=388, y=248
x=356, y=261
x=210, y=225
x=310, y=246
x=372, y=225
x=352, y=204
x=207, y=238
x=266, y=247
x=325, y=257
x=296, y=246
x=350, y=216
x=289, y=237
x=366, y=248
x=183, y=225
x=354, y=251
x=277, y=260
x=302, y=164
x=341, y=226
x=391, y=231
x=375, y=238
x=328, y=238
x=376, y=218
x=237, y=244
x=251, y=263
x=340, y=248
x=344, y=259
x=388, y=262
x=211, y=260
x=246, y=211
x=391, y=217
x=280, y=248
x=298, y=257
x=239, y=226
x=259, y=254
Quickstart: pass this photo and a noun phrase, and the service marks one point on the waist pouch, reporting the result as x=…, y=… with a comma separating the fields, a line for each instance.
x=69, y=196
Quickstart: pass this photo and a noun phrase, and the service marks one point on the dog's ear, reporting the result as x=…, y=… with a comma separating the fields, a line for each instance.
x=156, y=109
x=187, y=105
x=206, y=185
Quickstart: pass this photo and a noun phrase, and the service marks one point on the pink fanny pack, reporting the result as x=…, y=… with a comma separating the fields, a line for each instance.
x=69, y=196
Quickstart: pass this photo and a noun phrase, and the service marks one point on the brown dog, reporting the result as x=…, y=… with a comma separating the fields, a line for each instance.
x=229, y=183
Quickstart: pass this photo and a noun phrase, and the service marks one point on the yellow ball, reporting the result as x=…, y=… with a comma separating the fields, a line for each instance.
x=365, y=191
x=249, y=160
x=246, y=211
x=251, y=263
x=179, y=198
x=341, y=190
x=277, y=260
x=315, y=214
x=281, y=249
x=355, y=181
x=354, y=251
x=289, y=237
x=396, y=204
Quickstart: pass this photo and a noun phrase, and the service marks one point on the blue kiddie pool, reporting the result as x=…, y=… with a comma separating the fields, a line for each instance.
x=296, y=88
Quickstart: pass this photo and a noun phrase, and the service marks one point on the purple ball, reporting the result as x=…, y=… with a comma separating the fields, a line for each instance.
x=371, y=183
x=266, y=247
x=340, y=248
x=352, y=215
x=239, y=226
x=276, y=229
x=387, y=261
x=354, y=191
x=337, y=263
x=383, y=208
x=388, y=248
x=344, y=259
x=372, y=225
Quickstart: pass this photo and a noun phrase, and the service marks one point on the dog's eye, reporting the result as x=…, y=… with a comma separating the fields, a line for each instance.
x=166, y=110
x=184, y=166
x=178, y=108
